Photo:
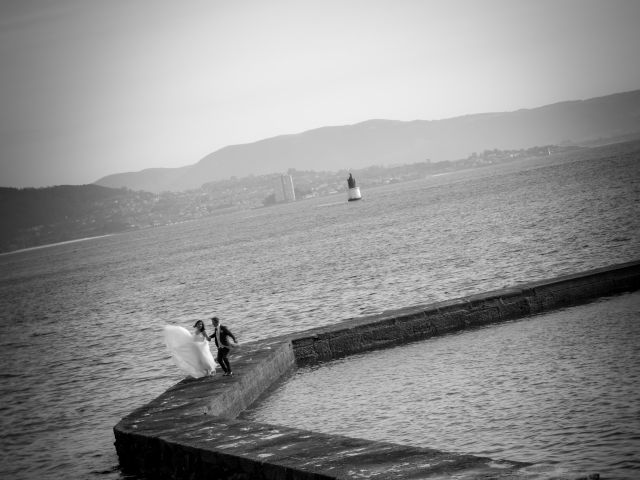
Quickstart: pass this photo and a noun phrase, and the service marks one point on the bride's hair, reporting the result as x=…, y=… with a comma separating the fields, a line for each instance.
x=199, y=325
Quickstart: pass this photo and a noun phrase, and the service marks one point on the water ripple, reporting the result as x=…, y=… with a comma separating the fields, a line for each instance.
x=536, y=390
x=80, y=323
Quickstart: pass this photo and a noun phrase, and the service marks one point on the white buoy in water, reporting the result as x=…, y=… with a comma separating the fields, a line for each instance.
x=354, y=194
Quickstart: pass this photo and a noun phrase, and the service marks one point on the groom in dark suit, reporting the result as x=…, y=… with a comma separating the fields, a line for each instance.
x=221, y=335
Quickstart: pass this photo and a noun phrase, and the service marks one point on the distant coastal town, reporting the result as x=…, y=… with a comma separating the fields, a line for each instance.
x=39, y=216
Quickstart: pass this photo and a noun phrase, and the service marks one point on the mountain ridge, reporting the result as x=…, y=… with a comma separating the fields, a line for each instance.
x=387, y=142
x=40, y=216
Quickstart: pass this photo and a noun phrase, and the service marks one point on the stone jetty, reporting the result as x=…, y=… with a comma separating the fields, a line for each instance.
x=192, y=430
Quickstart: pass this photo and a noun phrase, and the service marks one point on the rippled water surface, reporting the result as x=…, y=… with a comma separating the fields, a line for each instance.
x=80, y=342
x=558, y=390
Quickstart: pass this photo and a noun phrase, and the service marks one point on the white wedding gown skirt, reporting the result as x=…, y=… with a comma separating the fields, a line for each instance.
x=190, y=352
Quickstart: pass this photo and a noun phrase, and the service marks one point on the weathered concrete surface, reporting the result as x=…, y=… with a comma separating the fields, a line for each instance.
x=190, y=431
x=205, y=447
x=423, y=321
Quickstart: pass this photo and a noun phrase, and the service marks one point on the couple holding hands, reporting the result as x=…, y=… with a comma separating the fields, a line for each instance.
x=190, y=350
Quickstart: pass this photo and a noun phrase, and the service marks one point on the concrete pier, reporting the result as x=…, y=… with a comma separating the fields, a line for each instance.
x=192, y=431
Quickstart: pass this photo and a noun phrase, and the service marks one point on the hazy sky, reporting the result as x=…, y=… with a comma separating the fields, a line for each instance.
x=94, y=87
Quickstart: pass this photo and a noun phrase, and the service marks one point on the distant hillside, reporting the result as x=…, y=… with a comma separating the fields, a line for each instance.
x=39, y=216
x=388, y=142
x=149, y=180
x=36, y=216
x=26, y=207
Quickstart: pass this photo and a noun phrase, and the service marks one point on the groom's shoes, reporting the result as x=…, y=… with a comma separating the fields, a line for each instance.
x=227, y=374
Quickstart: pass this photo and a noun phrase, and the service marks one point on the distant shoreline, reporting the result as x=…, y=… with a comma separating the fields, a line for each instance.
x=105, y=210
x=38, y=247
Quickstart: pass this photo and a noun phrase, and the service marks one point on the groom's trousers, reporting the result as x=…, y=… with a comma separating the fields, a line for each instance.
x=222, y=359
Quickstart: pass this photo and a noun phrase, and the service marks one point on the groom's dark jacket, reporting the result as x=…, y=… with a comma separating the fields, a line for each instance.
x=225, y=333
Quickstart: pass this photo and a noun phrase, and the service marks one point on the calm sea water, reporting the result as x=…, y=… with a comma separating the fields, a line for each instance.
x=558, y=390
x=80, y=328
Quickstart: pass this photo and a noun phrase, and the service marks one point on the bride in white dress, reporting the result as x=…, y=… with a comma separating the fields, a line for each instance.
x=190, y=350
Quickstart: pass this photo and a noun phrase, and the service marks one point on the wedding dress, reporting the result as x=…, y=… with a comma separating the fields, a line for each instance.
x=190, y=351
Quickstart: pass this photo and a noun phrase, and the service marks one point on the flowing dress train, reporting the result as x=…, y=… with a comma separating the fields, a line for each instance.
x=190, y=351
